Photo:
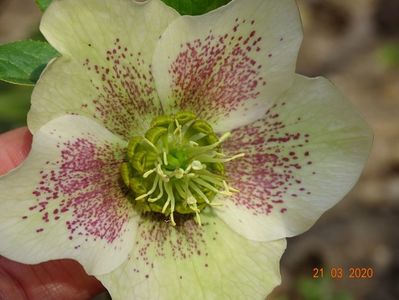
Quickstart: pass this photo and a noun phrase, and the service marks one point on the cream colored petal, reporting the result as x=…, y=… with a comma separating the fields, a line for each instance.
x=211, y=262
x=105, y=69
x=300, y=159
x=229, y=65
x=65, y=201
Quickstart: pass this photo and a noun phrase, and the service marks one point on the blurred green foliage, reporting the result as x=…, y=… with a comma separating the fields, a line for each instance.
x=316, y=289
x=389, y=54
x=320, y=289
x=43, y=4
x=15, y=99
x=14, y=105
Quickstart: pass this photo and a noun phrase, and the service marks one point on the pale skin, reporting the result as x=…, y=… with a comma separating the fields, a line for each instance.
x=60, y=279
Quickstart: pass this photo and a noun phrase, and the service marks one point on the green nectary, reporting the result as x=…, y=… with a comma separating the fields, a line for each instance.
x=177, y=167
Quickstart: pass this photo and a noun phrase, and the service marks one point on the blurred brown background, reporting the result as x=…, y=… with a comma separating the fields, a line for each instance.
x=355, y=43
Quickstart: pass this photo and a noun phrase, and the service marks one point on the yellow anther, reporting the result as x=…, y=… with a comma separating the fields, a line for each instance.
x=197, y=165
x=179, y=173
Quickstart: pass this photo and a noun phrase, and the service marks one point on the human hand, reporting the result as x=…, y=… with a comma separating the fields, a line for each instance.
x=60, y=279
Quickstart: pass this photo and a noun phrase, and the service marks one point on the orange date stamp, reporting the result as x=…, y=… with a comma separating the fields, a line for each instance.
x=343, y=273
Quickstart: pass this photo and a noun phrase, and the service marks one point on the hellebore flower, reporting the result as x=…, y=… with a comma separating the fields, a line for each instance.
x=173, y=154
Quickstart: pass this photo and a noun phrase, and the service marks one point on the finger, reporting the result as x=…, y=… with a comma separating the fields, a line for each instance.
x=14, y=147
x=62, y=279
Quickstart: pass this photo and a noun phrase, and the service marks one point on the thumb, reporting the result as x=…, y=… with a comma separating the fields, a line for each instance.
x=60, y=279
x=14, y=147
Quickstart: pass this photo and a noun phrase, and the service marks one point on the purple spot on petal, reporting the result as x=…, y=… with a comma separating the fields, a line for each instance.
x=83, y=188
x=214, y=76
x=267, y=176
x=126, y=93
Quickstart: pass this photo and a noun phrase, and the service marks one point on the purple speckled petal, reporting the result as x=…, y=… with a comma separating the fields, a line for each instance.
x=105, y=68
x=300, y=159
x=66, y=200
x=228, y=66
x=192, y=262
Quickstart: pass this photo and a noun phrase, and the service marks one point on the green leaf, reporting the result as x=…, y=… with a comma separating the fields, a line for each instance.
x=195, y=7
x=23, y=62
x=184, y=7
x=43, y=4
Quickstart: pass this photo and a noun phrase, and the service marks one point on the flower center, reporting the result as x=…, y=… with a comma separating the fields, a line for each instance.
x=177, y=167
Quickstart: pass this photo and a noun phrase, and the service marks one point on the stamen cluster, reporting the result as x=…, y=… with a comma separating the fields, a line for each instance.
x=176, y=167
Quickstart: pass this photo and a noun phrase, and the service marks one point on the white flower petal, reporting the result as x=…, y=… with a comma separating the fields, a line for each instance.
x=65, y=201
x=228, y=66
x=105, y=68
x=300, y=159
x=192, y=262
